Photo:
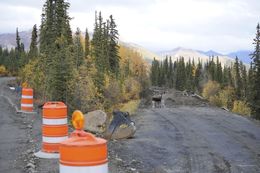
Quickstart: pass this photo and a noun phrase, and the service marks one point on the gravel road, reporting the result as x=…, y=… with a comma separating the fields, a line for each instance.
x=188, y=139
x=13, y=133
x=177, y=139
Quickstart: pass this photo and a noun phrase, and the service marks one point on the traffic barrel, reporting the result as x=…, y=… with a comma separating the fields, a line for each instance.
x=27, y=100
x=83, y=152
x=54, y=128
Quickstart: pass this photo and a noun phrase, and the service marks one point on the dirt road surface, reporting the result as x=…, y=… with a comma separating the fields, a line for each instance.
x=192, y=139
x=174, y=139
x=13, y=133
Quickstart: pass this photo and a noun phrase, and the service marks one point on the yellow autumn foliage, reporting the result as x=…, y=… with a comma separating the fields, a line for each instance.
x=210, y=89
x=241, y=107
x=3, y=71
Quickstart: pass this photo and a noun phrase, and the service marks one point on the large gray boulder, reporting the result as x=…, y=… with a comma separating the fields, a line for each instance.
x=124, y=131
x=121, y=126
x=95, y=121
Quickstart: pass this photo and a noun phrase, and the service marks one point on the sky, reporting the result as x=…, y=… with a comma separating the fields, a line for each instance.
x=158, y=25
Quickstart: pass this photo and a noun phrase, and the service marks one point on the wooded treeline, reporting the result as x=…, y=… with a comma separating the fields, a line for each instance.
x=236, y=87
x=84, y=73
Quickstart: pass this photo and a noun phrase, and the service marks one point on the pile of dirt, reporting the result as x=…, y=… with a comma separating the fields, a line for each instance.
x=172, y=98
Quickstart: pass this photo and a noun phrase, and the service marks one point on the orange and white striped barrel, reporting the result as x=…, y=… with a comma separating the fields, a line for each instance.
x=54, y=126
x=84, y=153
x=27, y=100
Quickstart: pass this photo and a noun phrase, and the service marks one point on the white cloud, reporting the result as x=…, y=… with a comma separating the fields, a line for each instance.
x=23, y=17
x=222, y=25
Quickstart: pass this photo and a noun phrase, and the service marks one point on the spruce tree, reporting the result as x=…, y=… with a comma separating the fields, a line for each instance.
x=79, y=56
x=87, y=44
x=244, y=86
x=33, y=52
x=226, y=79
x=219, y=74
x=97, y=51
x=237, y=78
x=154, y=75
x=250, y=84
x=256, y=74
x=198, y=76
x=55, y=47
x=181, y=74
x=113, y=47
x=170, y=73
x=18, y=41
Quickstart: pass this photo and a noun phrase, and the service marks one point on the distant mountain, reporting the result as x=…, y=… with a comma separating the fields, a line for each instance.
x=197, y=55
x=145, y=53
x=8, y=40
x=210, y=53
x=243, y=55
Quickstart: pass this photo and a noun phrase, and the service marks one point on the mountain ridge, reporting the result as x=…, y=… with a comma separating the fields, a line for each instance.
x=8, y=40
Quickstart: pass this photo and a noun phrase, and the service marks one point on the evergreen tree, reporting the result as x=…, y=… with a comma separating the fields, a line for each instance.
x=154, y=75
x=250, y=84
x=243, y=80
x=165, y=71
x=256, y=74
x=113, y=47
x=226, y=79
x=55, y=47
x=18, y=41
x=189, y=76
x=97, y=51
x=79, y=55
x=170, y=73
x=61, y=71
x=237, y=79
x=87, y=44
x=219, y=73
x=33, y=52
x=198, y=76
x=180, y=74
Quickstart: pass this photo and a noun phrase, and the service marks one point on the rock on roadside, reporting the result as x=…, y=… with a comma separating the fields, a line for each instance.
x=95, y=121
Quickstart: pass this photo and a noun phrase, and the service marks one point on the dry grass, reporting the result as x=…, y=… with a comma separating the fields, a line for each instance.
x=130, y=106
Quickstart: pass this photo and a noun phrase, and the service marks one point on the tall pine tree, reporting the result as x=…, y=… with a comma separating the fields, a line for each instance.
x=87, y=44
x=113, y=47
x=33, y=52
x=256, y=75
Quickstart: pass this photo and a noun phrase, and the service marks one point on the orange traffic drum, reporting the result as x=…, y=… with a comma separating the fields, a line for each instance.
x=27, y=100
x=83, y=152
x=54, y=126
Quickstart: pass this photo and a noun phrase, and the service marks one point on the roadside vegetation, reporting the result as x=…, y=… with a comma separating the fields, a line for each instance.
x=85, y=72
x=233, y=87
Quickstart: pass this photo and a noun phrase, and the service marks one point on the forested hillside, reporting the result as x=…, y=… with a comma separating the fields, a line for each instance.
x=85, y=74
x=233, y=87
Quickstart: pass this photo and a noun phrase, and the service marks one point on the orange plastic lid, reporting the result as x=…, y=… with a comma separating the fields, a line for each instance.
x=27, y=91
x=54, y=110
x=54, y=105
x=83, y=150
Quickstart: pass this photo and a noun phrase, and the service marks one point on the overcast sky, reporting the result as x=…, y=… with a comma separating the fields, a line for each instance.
x=221, y=25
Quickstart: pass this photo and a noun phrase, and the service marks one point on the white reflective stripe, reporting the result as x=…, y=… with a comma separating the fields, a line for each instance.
x=54, y=139
x=54, y=121
x=27, y=97
x=26, y=105
x=89, y=169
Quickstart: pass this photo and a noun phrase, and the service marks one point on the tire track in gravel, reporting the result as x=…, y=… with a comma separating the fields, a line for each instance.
x=214, y=127
x=199, y=158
